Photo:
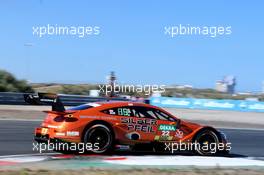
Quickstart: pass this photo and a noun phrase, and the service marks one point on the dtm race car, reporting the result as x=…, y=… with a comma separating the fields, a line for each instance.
x=124, y=125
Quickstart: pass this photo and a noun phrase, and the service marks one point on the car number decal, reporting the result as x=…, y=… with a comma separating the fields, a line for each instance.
x=44, y=131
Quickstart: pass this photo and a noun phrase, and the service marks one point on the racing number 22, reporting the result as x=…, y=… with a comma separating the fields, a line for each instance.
x=165, y=133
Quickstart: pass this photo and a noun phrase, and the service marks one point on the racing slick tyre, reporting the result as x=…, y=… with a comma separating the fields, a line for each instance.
x=206, y=143
x=101, y=137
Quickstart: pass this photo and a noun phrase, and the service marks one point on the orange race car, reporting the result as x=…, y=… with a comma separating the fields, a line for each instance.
x=112, y=125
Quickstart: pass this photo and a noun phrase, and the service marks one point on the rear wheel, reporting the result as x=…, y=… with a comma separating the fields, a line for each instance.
x=100, y=136
x=206, y=143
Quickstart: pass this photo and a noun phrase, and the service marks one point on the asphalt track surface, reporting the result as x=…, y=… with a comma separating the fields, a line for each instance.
x=16, y=138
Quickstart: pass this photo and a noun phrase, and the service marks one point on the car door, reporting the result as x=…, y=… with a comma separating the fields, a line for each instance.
x=161, y=126
x=134, y=123
x=144, y=124
x=167, y=127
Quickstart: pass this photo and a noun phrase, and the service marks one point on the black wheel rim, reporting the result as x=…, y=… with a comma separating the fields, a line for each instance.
x=209, y=139
x=101, y=137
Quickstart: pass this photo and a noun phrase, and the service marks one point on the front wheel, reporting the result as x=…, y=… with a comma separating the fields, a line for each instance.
x=206, y=143
x=100, y=136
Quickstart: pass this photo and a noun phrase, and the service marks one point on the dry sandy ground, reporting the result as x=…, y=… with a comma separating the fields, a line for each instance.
x=229, y=119
x=138, y=172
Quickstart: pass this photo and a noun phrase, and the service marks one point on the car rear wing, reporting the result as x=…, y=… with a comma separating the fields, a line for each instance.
x=45, y=99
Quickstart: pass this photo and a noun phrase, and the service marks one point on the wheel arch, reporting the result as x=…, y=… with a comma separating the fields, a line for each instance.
x=207, y=128
x=94, y=122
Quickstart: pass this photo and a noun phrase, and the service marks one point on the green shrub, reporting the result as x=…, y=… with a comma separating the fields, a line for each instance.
x=8, y=83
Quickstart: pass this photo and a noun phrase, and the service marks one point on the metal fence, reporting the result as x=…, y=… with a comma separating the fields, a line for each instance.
x=10, y=98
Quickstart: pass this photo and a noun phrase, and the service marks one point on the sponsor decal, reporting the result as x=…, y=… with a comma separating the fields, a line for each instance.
x=167, y=127
x=139, y=121
x=72, y=133
x=179, y=133
x=108, y=118
x=52, y=126
x=93, y=117
x=98, y=117
x=122, y=147
x=237, y=105
x=142, y=128
x=215, y=104
x=60, y=134
x=175, y=102
x=162, y=138
x=112, y=112
x=137, y=124
x=256, y=106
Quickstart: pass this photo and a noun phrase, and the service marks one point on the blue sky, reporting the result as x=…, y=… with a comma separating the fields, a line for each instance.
x=132, y=42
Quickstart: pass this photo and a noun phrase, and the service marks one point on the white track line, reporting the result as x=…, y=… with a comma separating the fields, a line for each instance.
x=200, y=161
x=25, y=158
x=185, y=161
x=23, y=155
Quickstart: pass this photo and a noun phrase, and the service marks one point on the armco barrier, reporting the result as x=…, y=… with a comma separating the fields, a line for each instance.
x=10, y=98
x=192, y=103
